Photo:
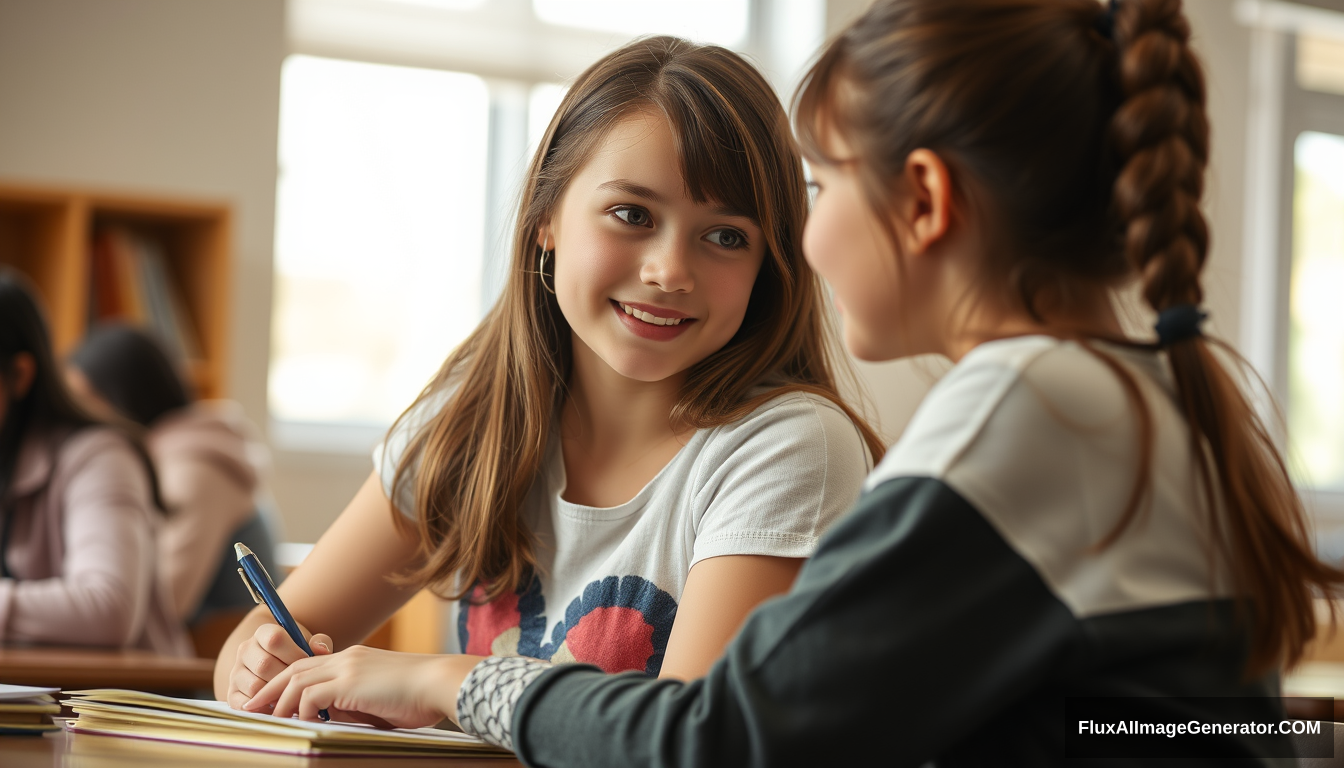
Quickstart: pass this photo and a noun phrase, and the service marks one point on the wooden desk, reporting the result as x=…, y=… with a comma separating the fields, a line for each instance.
x=67, y=750
x=75, y=668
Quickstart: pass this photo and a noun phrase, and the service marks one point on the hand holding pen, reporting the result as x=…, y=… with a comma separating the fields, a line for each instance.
x=261, y=587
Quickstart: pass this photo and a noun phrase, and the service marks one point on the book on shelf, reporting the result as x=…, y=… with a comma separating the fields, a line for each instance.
x=27, y=710
x=114, y=712
x=131, y=283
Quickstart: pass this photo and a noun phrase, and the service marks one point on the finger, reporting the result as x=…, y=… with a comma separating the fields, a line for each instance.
x=316, y=698
x=321, y=644
x=237, y=699
x=274, y=640
x=274, y=689
x=289, y=697
x=260, y=664
x=246, y=683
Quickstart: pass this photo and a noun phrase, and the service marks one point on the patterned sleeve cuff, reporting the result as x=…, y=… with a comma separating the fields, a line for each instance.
x=488, y=696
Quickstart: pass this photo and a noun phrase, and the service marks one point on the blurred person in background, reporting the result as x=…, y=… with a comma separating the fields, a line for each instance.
x=211, y=470
x=79, y=507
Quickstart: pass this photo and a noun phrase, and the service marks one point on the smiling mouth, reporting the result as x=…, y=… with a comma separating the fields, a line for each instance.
x=650, y=318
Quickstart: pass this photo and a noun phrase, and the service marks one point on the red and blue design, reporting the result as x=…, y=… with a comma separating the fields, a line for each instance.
x=618, y=624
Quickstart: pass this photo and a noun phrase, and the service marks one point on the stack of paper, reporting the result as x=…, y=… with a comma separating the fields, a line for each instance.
x=133, y=714
x=27, y=710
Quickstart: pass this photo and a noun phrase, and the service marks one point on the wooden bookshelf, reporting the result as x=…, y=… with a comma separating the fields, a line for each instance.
x=47, y=233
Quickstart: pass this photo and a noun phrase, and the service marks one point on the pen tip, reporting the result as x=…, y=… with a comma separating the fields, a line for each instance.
x=240, y=549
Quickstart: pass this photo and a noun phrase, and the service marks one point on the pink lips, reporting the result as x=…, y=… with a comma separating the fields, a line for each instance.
x=647, y=330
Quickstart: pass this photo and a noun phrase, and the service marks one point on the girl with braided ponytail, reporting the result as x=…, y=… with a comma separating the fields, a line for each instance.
x=1071, y=513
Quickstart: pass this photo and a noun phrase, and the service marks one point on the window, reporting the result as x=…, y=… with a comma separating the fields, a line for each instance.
x=1316, y=329
x=1314, y=228
x=379, y=235
x=1294, y=246
x=406, y=128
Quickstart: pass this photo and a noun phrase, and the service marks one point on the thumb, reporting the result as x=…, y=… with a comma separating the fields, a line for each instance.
x=321, y=644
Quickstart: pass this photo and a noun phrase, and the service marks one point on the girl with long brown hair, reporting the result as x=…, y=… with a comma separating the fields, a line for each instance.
x=644, y=438
x=1074, y=522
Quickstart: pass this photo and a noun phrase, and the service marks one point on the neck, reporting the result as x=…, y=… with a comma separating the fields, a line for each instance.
x=607, y=413
x=1092, y=317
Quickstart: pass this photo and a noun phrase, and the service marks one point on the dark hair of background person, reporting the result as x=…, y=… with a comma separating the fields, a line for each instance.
x=131, y=371
x=47, y=405
x=1078, y=134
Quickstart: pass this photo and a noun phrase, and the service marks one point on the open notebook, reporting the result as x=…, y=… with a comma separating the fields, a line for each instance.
x=112, y=712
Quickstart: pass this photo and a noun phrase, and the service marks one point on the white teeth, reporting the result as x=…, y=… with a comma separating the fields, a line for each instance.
x=651, y=319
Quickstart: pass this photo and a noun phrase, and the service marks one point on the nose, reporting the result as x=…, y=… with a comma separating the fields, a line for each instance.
x=668, y=266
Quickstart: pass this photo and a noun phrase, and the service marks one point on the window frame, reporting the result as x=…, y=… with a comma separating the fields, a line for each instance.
x=1279, y=111
x=1322, y=113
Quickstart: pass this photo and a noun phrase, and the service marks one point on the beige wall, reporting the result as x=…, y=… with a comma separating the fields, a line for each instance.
x=174, y=97
x=162, y=97
x=158, y=97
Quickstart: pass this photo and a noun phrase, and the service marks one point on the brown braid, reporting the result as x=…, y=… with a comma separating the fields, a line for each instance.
x=1160, y=135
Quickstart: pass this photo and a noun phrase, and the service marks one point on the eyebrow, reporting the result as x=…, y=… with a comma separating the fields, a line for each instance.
x=631, y=188
x=639, y=190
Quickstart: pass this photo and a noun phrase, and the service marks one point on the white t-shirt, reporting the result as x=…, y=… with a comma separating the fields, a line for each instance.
x=611, y=578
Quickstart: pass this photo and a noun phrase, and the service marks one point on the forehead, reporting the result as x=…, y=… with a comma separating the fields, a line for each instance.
x=648, y=148
x=639, y=147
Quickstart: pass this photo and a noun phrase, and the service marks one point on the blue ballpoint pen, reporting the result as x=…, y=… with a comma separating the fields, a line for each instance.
x=259, y=583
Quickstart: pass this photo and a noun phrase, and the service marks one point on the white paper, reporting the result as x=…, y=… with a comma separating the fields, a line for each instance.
x=18, y=692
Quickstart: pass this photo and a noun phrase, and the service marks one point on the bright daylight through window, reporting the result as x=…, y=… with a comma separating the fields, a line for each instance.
x=1316, y=335
x=379, y=235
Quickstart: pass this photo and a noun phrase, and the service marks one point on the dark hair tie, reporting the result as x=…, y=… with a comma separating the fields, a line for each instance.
x=1179, y=323
x=1105, y=21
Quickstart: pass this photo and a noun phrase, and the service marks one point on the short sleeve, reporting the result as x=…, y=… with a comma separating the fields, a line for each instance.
x=772, y=483
x=387, y=454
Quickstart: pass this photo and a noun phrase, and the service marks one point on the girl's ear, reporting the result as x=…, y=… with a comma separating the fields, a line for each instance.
x=926, y=205
x=545, y=239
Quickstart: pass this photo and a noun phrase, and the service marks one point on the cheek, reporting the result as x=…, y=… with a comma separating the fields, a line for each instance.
x=728, y=288
x=588, y=261
x=827, y=244
x=814, y=243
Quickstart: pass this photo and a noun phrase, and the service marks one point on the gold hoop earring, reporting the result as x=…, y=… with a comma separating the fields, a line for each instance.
x=541, y=265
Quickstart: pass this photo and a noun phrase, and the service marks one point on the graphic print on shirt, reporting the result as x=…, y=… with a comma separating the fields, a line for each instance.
x=494, y=629
x=618, y=624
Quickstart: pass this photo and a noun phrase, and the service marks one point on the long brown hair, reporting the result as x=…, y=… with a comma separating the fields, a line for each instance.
x=476, y=460
x=1078, y=131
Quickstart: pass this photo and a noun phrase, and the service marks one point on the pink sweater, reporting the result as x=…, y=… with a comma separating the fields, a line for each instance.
x=208, y=476
x=82, y=549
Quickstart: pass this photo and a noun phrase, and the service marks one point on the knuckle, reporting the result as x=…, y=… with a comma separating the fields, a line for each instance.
x=271, y=639
x=251, y=687
x=268, y=667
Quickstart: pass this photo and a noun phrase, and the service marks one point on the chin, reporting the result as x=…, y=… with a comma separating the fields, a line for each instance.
x=640, y=368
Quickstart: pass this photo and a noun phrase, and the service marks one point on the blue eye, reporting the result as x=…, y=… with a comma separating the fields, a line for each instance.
x=637, y=217
x=728, y=238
